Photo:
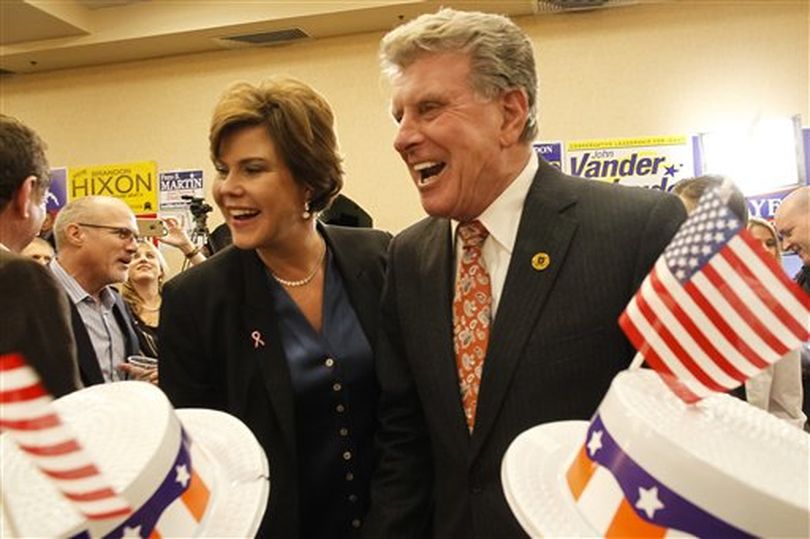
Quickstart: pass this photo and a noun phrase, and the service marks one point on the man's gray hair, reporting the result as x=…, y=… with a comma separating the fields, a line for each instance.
x=501, y=55
x=81, y=210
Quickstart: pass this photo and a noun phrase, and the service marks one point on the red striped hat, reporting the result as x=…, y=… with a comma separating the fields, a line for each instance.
x=650, y=465
x=116, y=460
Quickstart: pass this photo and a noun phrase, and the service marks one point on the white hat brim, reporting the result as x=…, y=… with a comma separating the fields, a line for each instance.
x=533, y=477
x=242, y=472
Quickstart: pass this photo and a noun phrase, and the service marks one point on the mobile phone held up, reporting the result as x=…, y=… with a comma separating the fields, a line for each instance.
x=151, y=228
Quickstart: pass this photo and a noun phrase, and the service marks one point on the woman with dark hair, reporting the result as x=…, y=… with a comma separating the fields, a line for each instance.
x=278, y=329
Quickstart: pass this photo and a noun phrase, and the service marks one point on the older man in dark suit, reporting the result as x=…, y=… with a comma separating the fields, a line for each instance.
x=500, y=309
x=34, y=318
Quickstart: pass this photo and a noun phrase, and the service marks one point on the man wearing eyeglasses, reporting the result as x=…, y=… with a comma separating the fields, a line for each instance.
x=96, y=237
x=34, y=316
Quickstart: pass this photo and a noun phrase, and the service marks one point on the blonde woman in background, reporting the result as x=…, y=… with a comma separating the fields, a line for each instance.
x=144, y=285
x=141, y=292
x=777, y=389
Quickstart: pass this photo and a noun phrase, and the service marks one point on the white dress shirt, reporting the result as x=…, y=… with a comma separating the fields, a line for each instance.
x=778, y=389
x=502, y=219
x=99, y=320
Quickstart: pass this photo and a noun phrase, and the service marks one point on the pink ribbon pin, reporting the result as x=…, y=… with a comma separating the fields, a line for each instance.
x=257, y=339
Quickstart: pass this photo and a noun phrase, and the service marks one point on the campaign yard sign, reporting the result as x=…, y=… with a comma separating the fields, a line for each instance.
x=653, y=162
x=550, y=152
x=134, y=183
x=57, y=192
x=174, y=184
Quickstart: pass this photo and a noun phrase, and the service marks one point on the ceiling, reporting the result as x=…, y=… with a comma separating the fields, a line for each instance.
x=44, y=35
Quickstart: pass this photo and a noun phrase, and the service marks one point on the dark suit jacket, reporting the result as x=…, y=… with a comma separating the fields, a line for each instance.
x=34, y=321
x=554, y=347
x=88, y=361
x=208, y=356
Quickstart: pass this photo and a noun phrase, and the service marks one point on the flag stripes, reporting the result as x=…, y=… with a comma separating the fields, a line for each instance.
x=732, y=367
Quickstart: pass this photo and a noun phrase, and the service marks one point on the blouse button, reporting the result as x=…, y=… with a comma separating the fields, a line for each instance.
x=353, y=498
x=329, y=362
x=336, y=386
x=340, y=408
x=356, y=523
x=349, y=476
x=344, y=431
x=347, y=455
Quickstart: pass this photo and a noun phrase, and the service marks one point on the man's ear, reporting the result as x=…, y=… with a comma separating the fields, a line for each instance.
x=515, y=111
x=22, y=197
x=74, y=234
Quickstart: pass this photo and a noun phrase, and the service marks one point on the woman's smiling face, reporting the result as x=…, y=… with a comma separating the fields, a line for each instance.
x=255, y=190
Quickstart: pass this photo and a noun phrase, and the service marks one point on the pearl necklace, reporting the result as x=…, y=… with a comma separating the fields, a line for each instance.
x=306, y=280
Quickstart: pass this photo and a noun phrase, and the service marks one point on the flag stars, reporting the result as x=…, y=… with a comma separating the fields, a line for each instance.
x=131, y=533
x=182, y=476
x=648, y=501
x=595, y=443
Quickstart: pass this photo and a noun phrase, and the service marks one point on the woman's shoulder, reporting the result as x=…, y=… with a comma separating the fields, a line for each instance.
x=358, y=238
x=218, y=268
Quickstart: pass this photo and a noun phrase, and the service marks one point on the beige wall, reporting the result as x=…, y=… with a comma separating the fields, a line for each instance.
x=629, y=71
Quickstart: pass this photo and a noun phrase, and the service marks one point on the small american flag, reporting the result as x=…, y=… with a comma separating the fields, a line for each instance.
x=716, y=309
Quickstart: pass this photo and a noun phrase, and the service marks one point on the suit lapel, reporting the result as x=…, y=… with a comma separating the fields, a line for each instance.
x=360, y=289
x=121, y=314
x=88, y=362
x=543, y=229
x=261, y=341
x=435, y=297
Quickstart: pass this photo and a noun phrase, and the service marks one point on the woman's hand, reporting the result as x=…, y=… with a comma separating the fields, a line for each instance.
x=177, y=237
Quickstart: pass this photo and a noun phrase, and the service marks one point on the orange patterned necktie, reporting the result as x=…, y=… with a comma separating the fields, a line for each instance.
x=472, y=312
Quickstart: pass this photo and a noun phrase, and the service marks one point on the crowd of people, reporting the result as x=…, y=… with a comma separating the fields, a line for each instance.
x=384, y=377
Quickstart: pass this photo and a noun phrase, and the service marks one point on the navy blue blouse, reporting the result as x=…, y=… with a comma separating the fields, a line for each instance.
x=335, y=400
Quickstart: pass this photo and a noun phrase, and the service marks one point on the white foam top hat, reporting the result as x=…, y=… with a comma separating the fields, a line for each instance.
x=650, y=465
x=154, y=471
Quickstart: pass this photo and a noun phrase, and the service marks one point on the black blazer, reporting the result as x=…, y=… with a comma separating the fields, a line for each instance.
x=554, y=347
x=89, y=367
x=208, y=356
x=34, y=321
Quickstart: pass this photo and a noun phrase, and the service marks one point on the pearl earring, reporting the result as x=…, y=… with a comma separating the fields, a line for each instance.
x=306, y=213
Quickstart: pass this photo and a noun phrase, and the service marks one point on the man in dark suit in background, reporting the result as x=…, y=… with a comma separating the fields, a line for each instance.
x=96, y=237
x=34, y=318
x=482, y=342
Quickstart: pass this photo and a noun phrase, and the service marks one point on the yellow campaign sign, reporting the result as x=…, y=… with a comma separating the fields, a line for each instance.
x=656, y=162
x=134, y=183
x=600, y=144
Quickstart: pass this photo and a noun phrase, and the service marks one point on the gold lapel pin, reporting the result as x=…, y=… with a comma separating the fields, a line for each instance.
x=540, y=261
